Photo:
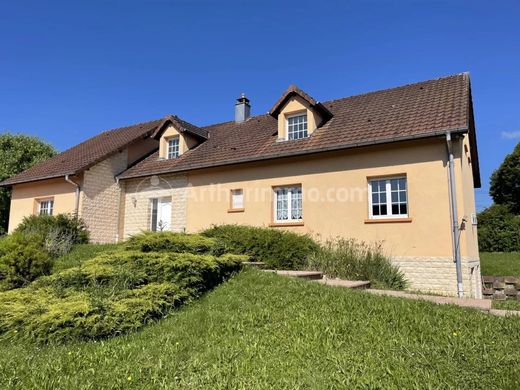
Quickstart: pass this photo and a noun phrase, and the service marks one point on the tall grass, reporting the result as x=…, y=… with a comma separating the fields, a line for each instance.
x=351, y=259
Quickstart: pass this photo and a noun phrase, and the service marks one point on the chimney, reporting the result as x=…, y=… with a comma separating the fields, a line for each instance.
x=242, y=109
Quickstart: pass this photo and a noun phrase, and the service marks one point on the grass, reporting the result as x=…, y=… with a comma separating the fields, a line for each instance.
x=500, y=263
x=261, y=331
x=510, y=304
x=79, y=254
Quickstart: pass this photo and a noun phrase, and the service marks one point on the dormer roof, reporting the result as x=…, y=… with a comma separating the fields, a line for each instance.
x=292, y=91
x=181, y=125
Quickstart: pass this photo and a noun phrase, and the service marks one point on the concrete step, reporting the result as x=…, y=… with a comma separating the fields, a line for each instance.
x=357, y=284
x=312, y=275
x=256, y=264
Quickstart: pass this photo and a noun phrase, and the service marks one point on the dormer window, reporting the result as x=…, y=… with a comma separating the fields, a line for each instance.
x=297, y=126
x=173, y=147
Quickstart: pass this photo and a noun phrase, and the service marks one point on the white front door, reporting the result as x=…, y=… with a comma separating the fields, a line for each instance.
x=161, y=214
x=165, y=215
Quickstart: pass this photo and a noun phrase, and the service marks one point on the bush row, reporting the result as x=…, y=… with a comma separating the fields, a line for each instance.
x=110, y=294
x=29, y=252
x=277, y=248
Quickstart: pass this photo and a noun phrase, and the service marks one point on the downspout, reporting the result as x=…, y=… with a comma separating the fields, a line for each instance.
x=78, y=189
x=455, y=230
x=118, y=209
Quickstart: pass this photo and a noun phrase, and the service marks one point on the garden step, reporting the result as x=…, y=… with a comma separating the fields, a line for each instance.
x=298, y=274
x=481, y=304
x=359, y=284
x=256, y=264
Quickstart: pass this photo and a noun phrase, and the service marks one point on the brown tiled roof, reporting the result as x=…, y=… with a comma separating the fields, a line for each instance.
x=85, y=154
x=420, y=110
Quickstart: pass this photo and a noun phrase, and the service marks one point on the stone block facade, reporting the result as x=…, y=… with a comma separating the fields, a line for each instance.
x=438, y=274
x=137, y=197
x=101, y=198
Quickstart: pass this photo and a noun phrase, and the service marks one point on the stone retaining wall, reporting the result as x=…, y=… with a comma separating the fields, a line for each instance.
x=501, y=287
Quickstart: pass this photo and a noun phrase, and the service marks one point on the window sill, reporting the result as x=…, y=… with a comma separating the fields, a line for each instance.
x=236, y=210
x=282, y=224
x=388, y=220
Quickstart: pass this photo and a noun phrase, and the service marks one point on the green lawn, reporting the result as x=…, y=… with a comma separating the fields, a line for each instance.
x=500, y=263
x=262, y=331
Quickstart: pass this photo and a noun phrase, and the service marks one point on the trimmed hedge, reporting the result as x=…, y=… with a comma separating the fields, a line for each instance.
x=172, y=242
x=110, y=294
x=278, y=248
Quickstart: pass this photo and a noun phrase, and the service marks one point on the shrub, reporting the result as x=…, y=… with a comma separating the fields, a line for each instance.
x=277, y=248
x=498, y=230
x=350, y=259
x=110, y=294
x=60, y=231
x=171, y=242
x=22, y=259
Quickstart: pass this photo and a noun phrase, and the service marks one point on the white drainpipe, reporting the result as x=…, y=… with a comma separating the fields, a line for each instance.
x=78, y=189
x=455, y=231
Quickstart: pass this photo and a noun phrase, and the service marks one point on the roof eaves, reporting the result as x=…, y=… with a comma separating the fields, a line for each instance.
x=332, y=148
x=10, y=183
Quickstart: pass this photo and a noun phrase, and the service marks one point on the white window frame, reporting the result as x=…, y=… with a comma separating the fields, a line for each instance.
x=48, y=209
x=388, y=192
x=238, y=192
x=292, y=191
x=304, y=114
x=171, y=152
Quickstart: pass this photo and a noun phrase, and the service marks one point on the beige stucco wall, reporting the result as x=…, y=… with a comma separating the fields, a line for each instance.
x=294, y=106
x=25, y=196
x=101, y=198
x=141, y=148
x=137, y=195
x=345, y=176
x=422, y=247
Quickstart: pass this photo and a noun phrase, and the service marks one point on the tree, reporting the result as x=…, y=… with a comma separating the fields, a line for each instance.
x=505, y=182
x=498, y=229
x=17, y=153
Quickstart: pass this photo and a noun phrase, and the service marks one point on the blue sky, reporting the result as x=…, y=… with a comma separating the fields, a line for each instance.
x=70, y=70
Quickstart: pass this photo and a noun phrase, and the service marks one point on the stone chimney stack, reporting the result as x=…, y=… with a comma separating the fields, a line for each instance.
x=242, y=109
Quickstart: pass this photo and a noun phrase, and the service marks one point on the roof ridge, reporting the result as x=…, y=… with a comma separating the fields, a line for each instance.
x=464, y=74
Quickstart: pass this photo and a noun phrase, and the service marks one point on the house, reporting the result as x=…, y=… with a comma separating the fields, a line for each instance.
x=396, y=166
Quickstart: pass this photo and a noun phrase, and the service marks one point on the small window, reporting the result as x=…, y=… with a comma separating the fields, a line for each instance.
x=288, y=204
x=46, y=207
x=388, y=198
x=173, y=147
x=297, y=126
x=237, y=199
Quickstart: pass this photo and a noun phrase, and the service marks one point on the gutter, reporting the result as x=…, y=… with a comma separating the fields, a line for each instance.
x=298, y=153
x=78, y=190
x=455, y=229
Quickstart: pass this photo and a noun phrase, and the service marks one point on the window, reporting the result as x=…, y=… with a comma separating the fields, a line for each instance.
x=173, y=147
x=46, y=207
x=388, y=198
x=297, y=126
x=237, y=199
x=288, y=204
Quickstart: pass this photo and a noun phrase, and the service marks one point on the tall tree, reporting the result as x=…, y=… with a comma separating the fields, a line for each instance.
x=17, y=153
x=505, y=182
